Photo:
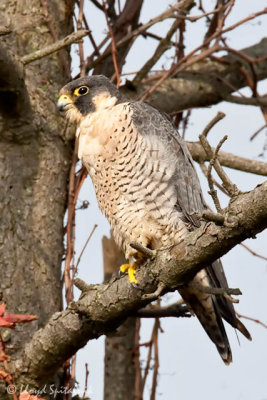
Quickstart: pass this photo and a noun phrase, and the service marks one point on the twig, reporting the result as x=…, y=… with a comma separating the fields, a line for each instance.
x=253, y=252
x=135, y=33
x=156, y=37
x=241, y=22
x=228, y=160
x=84, y=247
x=68, y=40
x=163, y=45
x=97, y=4
x=215, y=23
x=257, y=132
x=148, y=361
x=144, y=250
x=136, y=352
x=49, y=17
x=252, y=101
x=204, y=169
x=190, y=58
x=185, y=122
x=212, y=191
x=89, y=33
x=211, y=216
x=79, y=27
x=213, y=122
x=251, y=319
x=174, y=310
x=113, y=45
x=86, y=380
x=82, y=285
x=70, y=228
x=183, y=64
x=156, y=360
x=156, y=294
x=226, y=292
x=227, y=184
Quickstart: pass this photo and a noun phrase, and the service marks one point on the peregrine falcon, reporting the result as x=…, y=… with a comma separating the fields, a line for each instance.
x=146, y=185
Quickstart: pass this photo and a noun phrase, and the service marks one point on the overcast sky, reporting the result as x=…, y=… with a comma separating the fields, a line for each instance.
x=190, y=366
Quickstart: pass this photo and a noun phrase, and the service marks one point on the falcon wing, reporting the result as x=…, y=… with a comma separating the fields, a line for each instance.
x=151, y=122
x=209, y=309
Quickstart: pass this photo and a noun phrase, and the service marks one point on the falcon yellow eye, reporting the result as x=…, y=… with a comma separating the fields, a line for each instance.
x=81, y=91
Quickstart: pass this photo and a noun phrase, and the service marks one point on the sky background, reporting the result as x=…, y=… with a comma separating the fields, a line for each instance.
x=190, y=366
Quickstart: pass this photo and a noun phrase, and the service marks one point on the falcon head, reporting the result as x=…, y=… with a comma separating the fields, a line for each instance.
x=87, y=95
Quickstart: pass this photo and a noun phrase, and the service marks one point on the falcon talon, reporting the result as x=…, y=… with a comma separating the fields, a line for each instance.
x=131, y=270
x=119, y=274
x=136, y=286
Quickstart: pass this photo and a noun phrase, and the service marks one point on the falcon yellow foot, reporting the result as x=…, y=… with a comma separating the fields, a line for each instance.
x=131, y=269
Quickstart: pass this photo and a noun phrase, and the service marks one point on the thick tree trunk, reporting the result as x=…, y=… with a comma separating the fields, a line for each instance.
x=34, y=164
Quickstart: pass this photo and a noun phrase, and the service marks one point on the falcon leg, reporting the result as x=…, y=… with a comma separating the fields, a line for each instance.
x=131, y=269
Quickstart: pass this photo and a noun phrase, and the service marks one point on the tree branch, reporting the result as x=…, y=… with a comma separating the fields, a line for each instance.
x=170, y=13
x=173, y=310
x=202, y=84
x=104, y=307
x=228, y=160
x=68, y=40
x=163, y=45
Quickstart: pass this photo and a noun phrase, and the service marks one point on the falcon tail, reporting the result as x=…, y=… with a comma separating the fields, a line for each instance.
x=210, y=309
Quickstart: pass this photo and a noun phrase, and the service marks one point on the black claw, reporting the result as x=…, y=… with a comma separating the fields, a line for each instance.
x=120, y=274
x=136, y=286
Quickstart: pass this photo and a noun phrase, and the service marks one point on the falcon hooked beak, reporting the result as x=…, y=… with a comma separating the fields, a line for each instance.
x=64, y=103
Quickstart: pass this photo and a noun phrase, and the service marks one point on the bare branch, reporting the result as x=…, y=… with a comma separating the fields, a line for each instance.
x=252, y=101
x=212, y=191
x=113, y=45
x=227, y=184
x=252, y=319
x=228, y=160
x=253, y=252
x=226, y=292
x=163, y=45
x=68, y=40
x=84, y=247
x=257, y=132
x=204, y=169
x=144, y=250
x=210, y=216
x=106, y=306
x=170, y=13
x=213, y=122
x=203, y=84
x=174, y=310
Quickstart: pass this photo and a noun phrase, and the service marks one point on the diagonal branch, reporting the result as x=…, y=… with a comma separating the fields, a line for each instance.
x=228, y=160
x=102, y=308
x=68, y=40
x=163, y=45
x=204, y=84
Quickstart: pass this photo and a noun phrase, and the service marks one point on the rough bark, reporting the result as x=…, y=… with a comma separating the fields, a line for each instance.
x=34, y=164
x=102, y=308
